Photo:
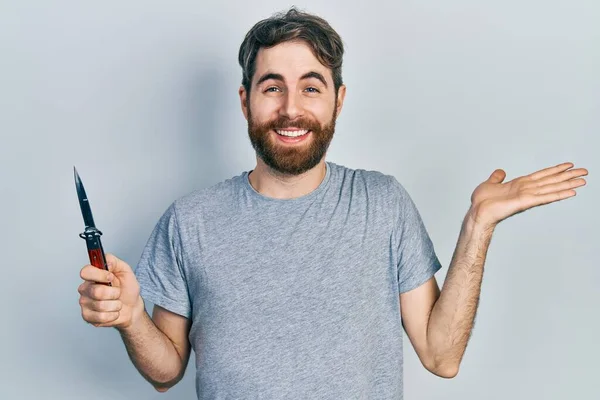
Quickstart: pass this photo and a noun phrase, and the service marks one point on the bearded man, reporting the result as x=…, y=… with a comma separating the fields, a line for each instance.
x=296, y=278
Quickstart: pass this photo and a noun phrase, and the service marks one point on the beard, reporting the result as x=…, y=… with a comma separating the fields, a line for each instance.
x=291, y=159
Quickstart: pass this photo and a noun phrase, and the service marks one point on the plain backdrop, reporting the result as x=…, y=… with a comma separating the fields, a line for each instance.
x=141, y=96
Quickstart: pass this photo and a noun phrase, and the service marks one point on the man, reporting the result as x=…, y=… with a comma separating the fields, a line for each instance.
x=295, y=279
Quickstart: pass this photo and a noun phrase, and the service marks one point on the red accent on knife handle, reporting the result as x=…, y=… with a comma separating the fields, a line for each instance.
x=96, y=258
x=95, y=250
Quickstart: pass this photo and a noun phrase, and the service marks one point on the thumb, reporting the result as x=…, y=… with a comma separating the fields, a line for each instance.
x=116, y=265
x=497, y=176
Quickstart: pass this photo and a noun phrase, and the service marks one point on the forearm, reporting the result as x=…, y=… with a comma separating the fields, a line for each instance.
x=452, y=317
x=151, y=351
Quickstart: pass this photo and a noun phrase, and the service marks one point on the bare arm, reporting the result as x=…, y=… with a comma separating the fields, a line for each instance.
x=452, y=316
x=439, y=324
x=158, y=347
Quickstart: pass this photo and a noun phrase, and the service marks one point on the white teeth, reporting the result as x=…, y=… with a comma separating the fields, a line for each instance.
x=292, y=133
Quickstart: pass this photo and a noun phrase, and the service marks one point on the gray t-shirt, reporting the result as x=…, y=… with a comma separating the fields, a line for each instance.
x=294, y=298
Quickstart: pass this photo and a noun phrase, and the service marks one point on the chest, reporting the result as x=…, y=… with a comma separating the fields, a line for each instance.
x=291, y=263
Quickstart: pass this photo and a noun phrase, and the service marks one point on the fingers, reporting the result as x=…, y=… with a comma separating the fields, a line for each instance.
x=550, y=171
x=548, y=198
x=98, y=318
x=94, y=274
x=96, y=291
x=559, y=187
x=116, y=265
x=99, y=303
x=561, y=177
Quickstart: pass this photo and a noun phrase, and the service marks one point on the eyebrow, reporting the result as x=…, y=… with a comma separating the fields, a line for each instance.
x=279, y=77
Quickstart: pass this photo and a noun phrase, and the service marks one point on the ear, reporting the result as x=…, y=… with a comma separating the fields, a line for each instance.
x=244, y=101
x=340, y=99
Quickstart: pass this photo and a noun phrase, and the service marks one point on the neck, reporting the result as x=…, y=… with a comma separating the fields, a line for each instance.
x=273, y=184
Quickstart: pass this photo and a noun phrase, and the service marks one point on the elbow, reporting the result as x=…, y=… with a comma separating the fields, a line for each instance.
x=164, y=386
x=447, y=370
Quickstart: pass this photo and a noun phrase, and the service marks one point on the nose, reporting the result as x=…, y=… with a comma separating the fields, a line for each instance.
x=292, y=106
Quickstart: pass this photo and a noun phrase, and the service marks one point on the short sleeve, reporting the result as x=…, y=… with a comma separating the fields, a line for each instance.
x=160, y=270
x=416, y=259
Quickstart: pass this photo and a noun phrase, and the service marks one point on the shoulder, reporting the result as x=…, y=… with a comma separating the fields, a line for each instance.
x=207, y=199
x=373, y=181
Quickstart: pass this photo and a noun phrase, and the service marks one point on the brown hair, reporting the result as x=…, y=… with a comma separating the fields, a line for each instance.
x=325, y=42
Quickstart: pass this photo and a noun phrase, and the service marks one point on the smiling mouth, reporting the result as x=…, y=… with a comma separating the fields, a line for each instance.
x=292, y=132
x=292, y=136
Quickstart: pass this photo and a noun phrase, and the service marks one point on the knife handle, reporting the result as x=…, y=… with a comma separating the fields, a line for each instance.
x=95, y=249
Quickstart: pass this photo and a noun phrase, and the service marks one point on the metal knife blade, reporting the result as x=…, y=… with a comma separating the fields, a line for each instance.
x=84, y=203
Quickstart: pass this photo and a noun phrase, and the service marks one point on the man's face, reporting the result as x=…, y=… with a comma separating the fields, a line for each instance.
x=292, y=108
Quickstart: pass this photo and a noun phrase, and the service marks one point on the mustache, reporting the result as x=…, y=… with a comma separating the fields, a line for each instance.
x=283, y=123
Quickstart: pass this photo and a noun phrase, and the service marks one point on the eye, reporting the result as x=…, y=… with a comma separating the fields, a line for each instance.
x=272, y=87
x=313, y=89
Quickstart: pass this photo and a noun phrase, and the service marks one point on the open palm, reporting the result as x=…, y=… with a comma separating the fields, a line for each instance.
x=493, y=201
